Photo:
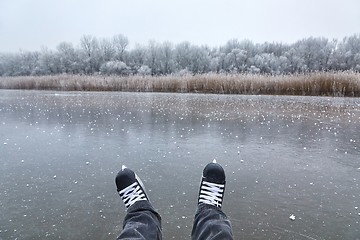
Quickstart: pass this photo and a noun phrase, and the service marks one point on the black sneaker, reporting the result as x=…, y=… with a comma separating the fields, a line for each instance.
x=130, y=187
x=212, y=187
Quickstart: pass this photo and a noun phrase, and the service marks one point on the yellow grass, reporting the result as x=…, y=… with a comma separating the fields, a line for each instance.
x=316, y=84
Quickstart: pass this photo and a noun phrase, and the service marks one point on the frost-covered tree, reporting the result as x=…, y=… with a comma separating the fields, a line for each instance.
x=312, y=51
x=199, y=59
x=120, y=43
x=237, y=56
x=349, y=48
x=69, y=58
x=166, y=58
x=267, y=63
x=107, y=50
x=2, y=64
x=214, y=64
x=90, y=50
x=152, y=57
x=182, y=54
x=137, y=56
x=284, y=65
x=296, y=63
x=236, y=59
x=19, y=64
x=28, y=61
x=357, y=62
x=9, y=64
x=278, y=49
x=109, y=55
x=231, y=45
x=49, y=63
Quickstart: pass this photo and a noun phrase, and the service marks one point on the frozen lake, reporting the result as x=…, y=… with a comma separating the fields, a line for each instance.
x=60, y=152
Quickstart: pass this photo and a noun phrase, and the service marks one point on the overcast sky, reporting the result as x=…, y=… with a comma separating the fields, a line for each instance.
x=32, y=24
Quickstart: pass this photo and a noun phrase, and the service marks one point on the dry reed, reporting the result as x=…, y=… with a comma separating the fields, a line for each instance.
x=344, y=84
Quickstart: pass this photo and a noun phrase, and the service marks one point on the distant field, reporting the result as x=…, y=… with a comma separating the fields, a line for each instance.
x=341, y=84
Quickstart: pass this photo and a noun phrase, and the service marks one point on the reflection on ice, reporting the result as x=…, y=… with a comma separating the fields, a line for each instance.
x=284, y=156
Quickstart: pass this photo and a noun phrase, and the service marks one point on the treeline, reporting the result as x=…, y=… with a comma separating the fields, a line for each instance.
x=114, y=57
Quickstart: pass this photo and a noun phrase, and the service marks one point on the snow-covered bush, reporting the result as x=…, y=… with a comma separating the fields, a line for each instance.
x=113, y=67
x=144, y=70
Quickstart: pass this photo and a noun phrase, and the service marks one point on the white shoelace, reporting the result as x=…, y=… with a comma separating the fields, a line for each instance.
x=211, y=193
x=132, y=194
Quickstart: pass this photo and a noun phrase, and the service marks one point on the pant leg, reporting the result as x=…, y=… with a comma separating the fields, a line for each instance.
x=141, y=222
x=211, y=223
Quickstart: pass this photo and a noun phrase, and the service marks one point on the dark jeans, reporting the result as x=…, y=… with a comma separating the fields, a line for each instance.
x=143, y=222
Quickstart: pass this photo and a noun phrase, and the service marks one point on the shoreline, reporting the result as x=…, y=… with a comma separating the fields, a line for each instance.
x=334, y=84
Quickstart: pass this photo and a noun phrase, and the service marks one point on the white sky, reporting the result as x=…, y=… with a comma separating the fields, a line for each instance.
x=32, y=24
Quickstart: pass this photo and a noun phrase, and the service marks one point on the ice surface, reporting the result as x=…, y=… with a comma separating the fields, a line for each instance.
x=60, y=153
